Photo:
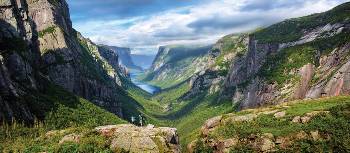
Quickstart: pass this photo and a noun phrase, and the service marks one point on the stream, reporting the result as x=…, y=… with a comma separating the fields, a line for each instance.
x=147, y=87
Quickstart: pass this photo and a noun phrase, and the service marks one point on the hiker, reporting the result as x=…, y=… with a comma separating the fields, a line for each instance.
x=133, y=119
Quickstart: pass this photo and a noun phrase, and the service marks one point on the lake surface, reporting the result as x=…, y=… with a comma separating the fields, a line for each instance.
x=147, y=87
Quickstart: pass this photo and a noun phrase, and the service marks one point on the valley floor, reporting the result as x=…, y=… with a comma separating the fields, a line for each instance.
x=188, y=116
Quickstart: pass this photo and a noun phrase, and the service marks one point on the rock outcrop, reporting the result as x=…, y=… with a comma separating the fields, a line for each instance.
x=19, y=59
x=38, y=43
x=125, y=57
x=212, y=76
x=135, y=139
x=279, y=66
x=247, y=130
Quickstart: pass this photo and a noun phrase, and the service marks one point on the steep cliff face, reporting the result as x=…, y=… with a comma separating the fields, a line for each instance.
x=18, y=60
x=69, y=60
x=144, y=61
x=212, y=76
x=38, y=43
x=125, y=57
x=175, y=64
x=299, y=58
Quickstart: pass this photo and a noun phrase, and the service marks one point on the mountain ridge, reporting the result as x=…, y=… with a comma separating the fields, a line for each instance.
x=125, y=57
x=69, y=91
x=176, y=63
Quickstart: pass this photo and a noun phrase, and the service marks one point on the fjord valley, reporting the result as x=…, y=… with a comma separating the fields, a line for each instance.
x=282, y=87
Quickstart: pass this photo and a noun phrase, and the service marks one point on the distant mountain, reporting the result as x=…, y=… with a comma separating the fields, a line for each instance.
x=46, y=67
x=300, y=58
x=125, y=57
x=144, y=61
x=176, y=63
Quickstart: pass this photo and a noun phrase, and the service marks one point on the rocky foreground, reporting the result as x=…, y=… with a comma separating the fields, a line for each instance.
x=299, y=126
x=130, y=138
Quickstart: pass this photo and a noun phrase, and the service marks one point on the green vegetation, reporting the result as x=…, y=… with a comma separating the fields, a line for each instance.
x=63, y=110
x=49, y=30
x=292, y=29
x=335, y=125
x=62, y=113
x=180, y=72
x=171, y=94
x=19, y=138
x=177, y=53
x=278, y=66
x=57, y=109
x=179, y=64
x=230, y=44
x=185, y=115
x=94, y=66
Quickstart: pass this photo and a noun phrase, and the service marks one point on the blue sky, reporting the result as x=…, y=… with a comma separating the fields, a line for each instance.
x=144, y=25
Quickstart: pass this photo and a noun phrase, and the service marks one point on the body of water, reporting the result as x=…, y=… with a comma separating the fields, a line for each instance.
x=147, y=87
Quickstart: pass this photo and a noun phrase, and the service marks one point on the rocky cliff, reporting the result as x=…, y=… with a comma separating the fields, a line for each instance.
x=211, y=78
x=19, y=58
x=125, y=57
x=175, y=64
x=299, y=58
x=134, y=139
x=38, y=43
x=295, y=59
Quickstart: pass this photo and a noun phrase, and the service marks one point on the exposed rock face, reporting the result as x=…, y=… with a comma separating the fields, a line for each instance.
x=178, y=63
x=203, y=81
x=134, y=139
x=248, y=86
x=113, y=59
x=212, y=77
x=335, y=82
x=18, y=60
x=125, y=57
x=39, y=43
x=67, y=56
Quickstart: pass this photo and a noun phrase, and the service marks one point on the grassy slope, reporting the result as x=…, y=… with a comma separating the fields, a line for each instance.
x=292, y=29
x=187, y=116
x=179, y=59
x=57, y=109
x=62, y=110
x=278, y=66
x=173, y=78
x=230, y=44
x=336, y=124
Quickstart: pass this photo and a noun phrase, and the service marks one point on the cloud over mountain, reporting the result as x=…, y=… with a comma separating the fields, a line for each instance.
x=144, y=25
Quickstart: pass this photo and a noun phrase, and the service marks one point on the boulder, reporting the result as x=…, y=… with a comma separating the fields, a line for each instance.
x=296, y=119
x=315, y=135
x=267, y=145
x=70, y=138
x=280, y=114
x=242, y=118
x=211, y=123
x=301, y=135
x=305, y=119
x=135, y=139
x=225, y=145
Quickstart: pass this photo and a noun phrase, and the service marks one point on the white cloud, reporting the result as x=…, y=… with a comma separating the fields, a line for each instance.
x=203, y=23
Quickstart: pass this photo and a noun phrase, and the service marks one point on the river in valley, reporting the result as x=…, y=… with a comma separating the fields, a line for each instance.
x=147, y=87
